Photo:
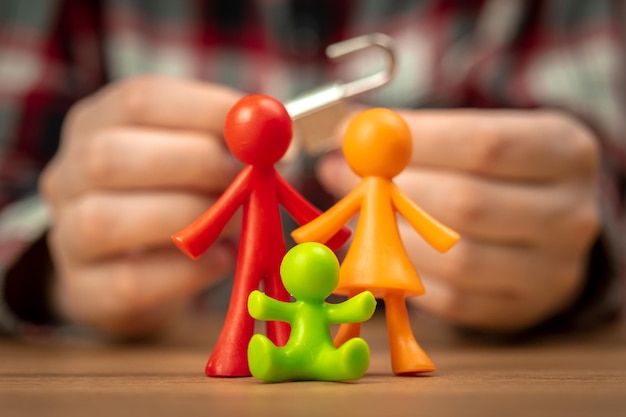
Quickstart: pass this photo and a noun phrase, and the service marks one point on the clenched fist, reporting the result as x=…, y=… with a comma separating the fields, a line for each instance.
x=139, y=160
x=520, y=188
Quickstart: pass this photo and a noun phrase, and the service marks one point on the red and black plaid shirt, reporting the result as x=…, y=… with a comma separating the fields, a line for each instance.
x=565, y=54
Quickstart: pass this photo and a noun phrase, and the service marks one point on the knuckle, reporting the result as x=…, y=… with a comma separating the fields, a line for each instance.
x=75, y=116
x=90, y=222
x=585, y=151
x=466, y=204
x=583, y=147
x=460, y=261
x=588, y=220
x=94, y=159
x=133, y=97
x=47, y=183
x=580, y=222
x=55, y=245
x=486, y=145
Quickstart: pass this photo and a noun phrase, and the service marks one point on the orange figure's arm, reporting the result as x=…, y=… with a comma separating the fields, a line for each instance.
x=196, y=238
x=326, y=225
x=303, y=212
x=436, y=234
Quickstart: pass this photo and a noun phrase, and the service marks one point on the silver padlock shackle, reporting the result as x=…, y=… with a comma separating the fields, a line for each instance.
x=349, y=47
x=315, y=100
x=316, y=113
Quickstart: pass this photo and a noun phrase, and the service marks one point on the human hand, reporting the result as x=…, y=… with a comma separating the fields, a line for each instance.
x=139, y=160
x=519, y=186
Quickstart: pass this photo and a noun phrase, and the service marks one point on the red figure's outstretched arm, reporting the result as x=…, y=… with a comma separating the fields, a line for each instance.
x=325, y=225
x=436, y=234
x=196, y=238
x=303, y=212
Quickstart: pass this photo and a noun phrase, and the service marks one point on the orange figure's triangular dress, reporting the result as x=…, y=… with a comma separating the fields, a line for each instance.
x=377, y=260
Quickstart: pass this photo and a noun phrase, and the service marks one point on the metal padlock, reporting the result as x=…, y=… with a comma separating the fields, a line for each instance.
x=316, y=114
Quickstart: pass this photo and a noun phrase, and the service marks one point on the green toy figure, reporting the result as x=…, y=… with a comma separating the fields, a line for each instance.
x=310, y=272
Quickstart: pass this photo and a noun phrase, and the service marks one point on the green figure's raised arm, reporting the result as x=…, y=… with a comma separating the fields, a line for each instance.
x=359, y=308
x=262, y=307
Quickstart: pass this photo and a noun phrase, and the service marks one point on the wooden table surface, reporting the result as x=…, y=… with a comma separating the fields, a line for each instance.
x=576, y=375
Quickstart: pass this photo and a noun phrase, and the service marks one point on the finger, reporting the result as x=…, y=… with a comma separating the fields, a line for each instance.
x=516, y=145
x=486, y=310
x=474, y=309
x=101, y=225
x=498, y=269
x=513, y=213
x=501, y=144
x=154, y=100
x=109, y=292
x=142, y=158
x=507, y=212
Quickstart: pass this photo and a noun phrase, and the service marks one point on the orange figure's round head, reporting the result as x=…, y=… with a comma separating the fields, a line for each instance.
x=258, y=130
x=378, y=143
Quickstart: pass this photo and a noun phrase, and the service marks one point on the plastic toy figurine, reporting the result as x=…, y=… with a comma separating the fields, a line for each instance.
x=310, y=272
x=258, y=132
x=377, y=146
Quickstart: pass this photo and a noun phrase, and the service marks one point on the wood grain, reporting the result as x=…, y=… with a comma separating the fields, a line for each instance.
x=574, y=375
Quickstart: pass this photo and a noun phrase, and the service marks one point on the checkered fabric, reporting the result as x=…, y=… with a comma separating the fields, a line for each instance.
x=565, y=54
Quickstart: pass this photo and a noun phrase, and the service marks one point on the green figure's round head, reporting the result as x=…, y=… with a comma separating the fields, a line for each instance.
x=310, y=271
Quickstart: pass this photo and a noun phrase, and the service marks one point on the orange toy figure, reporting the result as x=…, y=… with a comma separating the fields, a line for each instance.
x=377, y=146
x=258, y=132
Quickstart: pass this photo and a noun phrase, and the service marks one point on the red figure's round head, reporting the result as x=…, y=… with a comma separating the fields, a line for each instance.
x=378, y=143
x=258, y=130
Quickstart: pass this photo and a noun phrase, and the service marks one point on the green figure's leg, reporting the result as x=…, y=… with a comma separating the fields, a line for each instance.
x=407, y=357
x=348, y=362
x=266, y=361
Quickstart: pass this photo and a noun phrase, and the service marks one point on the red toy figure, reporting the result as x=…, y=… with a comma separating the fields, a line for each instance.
x=377, y=146
x=258, y=132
